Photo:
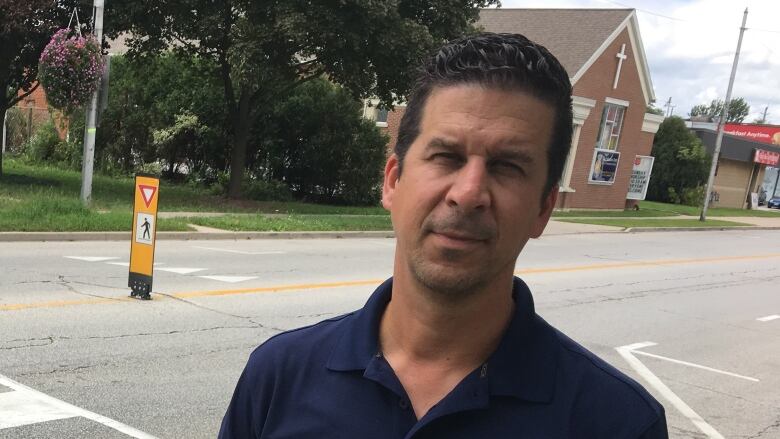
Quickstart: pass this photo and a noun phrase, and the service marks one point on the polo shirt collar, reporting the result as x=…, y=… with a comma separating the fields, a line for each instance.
x=523, y=366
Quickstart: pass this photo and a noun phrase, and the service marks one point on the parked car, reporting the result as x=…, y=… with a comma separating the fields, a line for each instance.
x=773, y=202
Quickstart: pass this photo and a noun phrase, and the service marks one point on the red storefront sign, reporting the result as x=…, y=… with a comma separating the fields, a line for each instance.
x=770, y=158
x=758, y=133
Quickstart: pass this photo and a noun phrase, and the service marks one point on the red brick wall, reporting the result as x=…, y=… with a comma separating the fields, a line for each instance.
x=596, y=84
x=393, y=120
x=41, y=112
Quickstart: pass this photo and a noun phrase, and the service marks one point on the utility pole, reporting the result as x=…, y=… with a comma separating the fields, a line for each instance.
x=668, y=106
x=90, y=129
x=763, y=118
x=721, y=122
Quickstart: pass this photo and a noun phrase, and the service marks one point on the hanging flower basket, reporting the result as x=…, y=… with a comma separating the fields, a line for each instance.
x=69, y=70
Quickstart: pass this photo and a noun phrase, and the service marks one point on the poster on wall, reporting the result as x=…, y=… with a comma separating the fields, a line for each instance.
x=604, y=166
x=640, y=177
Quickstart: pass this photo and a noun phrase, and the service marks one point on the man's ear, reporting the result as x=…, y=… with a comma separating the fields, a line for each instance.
x=392, y=172
x=545, y=211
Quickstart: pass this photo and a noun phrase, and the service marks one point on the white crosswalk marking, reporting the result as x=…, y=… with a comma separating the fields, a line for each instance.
x=177, y=270
x=229, y=279
x=25, y=406
x=180, y=270
x=91, y=258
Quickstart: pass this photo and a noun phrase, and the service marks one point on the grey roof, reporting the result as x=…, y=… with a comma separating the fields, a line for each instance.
x=733, y=147
x=572, y=35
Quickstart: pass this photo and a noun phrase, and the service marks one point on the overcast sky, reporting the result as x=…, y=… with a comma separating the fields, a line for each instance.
x=690, y=48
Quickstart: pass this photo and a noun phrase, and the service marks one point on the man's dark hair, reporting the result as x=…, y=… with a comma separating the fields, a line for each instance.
x=506, y=61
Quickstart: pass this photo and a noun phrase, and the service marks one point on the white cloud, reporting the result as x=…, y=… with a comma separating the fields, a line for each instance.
x=690, y=48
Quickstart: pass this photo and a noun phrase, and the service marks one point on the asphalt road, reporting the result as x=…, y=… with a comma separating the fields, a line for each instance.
x=77, y=359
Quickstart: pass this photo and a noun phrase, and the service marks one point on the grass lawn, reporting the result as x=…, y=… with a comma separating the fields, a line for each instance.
x=654, y=222
x=713, y=211
x=643, y=213
x=40, y=198
x=295, y=223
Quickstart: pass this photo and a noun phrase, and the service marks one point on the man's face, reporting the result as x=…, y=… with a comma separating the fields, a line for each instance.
x=470, y=195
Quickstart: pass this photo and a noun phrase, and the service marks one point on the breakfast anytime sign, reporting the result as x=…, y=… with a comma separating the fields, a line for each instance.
x=768, y=134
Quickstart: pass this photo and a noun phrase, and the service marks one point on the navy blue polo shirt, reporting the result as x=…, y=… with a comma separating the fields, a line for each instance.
x=329, y=380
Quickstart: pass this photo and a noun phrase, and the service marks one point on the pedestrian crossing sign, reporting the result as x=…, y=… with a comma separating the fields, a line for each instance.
x=142, y=242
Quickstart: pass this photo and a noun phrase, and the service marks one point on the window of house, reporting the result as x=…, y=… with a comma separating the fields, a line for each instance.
x=381, y=117
x=611, y=123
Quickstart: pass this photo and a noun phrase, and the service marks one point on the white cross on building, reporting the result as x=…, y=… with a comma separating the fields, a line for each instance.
x=621, y=56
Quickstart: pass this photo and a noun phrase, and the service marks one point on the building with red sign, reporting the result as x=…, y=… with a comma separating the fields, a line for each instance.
x=744, y=162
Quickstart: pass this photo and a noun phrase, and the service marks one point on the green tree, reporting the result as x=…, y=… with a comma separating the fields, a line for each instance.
x=336, y=159
x=146, y=95
x=681, y=163
x=738, y=110
x=263, y=49
x=25, y=29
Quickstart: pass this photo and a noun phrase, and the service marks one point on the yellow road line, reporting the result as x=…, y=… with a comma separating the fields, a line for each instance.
x=313, y=286
x=277, y=288
x=60, y=303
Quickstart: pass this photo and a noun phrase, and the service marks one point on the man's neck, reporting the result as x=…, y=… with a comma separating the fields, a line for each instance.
x=432, y=345
x=461, y=333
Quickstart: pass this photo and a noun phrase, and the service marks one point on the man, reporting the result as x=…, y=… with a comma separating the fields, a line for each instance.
x=450, y=346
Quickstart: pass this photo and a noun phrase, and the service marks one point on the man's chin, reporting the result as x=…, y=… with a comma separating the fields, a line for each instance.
x=449, y=280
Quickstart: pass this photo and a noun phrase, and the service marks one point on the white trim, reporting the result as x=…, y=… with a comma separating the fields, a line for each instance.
x=568, y=167
x=620, y=102
x=381, y=124
x=651, y=122
x=638, y=51
x=581, y=108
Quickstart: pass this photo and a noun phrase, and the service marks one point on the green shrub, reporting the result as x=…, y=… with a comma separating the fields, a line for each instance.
x=262, y=190
x=693, y=196
x=43, y=144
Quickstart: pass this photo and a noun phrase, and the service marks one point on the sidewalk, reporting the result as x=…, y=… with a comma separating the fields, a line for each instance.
x=555, y=227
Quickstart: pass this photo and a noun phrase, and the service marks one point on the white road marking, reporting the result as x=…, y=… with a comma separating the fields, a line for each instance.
x=698, y=366
x=627, y=352
x=21, y=408
x=38, y=407
x=768, y=318
x=127, y=264
x=229, y=279
x=91, y=258
x=238, y=251
x=180, y=270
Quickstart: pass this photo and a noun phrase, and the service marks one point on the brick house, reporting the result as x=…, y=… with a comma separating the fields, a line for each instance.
x=602, y=51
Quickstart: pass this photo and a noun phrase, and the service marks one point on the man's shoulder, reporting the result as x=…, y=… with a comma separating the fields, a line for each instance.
x=300, y=344
x=603, y=389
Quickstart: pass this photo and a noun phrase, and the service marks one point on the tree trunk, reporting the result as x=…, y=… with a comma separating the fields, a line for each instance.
x=241, y=121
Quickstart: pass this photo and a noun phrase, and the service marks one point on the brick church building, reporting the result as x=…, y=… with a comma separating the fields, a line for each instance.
x=602, y=51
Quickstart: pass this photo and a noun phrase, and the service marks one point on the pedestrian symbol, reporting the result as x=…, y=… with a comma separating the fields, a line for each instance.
x=144, y=230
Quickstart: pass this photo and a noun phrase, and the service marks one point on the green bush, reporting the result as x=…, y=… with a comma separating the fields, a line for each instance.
x=68, y=154
x=321, y=147
x=693, y=196
x=681, y=164
x=262, y=190
x=43, y=144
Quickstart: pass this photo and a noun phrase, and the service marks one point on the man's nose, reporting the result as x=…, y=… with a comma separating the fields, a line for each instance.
x=469, y=190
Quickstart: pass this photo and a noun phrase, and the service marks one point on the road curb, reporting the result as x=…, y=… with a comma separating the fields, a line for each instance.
x=696, y=229
x=185, y=236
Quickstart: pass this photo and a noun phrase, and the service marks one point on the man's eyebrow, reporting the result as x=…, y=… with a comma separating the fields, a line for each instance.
x=516, y=154
x=438, y=142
